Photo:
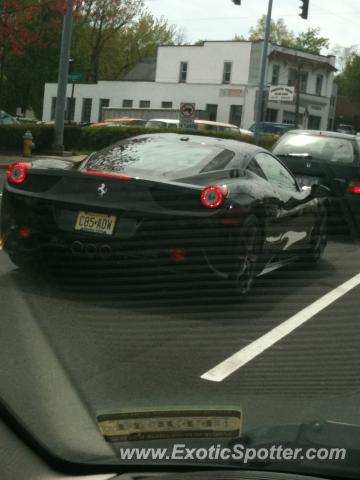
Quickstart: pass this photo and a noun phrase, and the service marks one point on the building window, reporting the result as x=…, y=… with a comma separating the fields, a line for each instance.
x=53, y=108
x=86, y=110
x=292, y=77
x=70, y=109
x=127, y=103
x=333, y=101
x=104, y=102
x=319, y=84
x=144, y=104
x=235, y=115
x=275, y=75
x=314, y=122
x=183, y=72
x=212, y=111
x=303, y=79
x=166, y=104
x=303, y=82
x=227, y=72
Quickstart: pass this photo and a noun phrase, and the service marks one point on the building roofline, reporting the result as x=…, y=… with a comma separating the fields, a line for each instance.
x=248, y=41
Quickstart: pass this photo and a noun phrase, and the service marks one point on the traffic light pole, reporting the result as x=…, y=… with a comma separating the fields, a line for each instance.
x=63, y=78
x=264, y=59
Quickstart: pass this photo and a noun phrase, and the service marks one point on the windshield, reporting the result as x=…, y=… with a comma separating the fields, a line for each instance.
x=335, y=150
x=156, y=155
x=176, y=294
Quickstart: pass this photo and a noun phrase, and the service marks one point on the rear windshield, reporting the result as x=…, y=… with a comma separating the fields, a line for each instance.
x=335, y=150
x=160, y=156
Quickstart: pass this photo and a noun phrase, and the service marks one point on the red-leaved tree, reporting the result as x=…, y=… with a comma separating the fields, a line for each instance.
x=17, y=32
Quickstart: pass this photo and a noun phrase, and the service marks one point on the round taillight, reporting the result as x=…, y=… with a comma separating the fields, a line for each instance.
x=17, y=172
x=213, y=196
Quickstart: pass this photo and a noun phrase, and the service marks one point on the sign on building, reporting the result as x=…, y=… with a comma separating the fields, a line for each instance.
x=281, y=93
x=187, y=115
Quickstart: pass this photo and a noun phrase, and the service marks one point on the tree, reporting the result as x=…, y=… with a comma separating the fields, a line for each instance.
x=349, y=80
x=100, y=21
x=344, y=55
x=279, y=33
x=17, y=32
x=309, y=41
x=138, y=41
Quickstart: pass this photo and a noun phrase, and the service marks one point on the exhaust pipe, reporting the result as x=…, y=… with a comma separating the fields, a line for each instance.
x=105, y=251
x=77, y=248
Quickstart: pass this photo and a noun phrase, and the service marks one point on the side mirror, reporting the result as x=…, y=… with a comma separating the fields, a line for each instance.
x=319, y=191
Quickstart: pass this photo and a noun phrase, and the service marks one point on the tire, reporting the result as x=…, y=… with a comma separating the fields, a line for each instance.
x=247, y=261
x=22, y=261
x=318, y=238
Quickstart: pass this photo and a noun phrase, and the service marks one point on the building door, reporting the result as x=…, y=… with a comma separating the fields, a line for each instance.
x=86, y=110
x=271, y=115
x=212, y=110
x=314, y=122
x=235, y=114
x=104, y=102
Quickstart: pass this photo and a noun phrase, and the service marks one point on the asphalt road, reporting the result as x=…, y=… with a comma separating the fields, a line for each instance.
x=134, y=345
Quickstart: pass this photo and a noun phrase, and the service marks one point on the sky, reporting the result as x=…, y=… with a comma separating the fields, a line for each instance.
x=339, y=20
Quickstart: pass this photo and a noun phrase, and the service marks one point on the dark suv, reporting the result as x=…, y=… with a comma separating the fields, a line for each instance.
x=272, y=128
x=329, y=158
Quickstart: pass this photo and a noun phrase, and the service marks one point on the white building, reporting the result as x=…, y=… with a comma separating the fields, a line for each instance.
x=220, y=77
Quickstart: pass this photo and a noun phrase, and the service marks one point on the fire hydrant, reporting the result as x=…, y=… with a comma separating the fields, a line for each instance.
x=28, y=143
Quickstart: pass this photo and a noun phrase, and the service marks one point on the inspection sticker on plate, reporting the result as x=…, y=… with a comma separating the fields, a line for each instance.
x=95, y=223
x=155, y=425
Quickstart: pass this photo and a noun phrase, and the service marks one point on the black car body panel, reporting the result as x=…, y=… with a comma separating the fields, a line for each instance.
x=156, y=212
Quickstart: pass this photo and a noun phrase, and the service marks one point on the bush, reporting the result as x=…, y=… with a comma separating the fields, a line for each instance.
x=90, y=139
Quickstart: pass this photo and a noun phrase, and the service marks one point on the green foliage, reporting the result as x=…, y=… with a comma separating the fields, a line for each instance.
x=91, y=139
x=309, y=41
x=279, y=32
x=349, y=80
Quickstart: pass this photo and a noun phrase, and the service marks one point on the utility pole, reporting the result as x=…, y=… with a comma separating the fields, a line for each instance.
x=264, y=59
x=263, y=70
x=63, y=78
x=297, y=105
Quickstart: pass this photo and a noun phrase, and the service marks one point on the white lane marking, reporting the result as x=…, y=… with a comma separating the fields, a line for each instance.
x=248, y=353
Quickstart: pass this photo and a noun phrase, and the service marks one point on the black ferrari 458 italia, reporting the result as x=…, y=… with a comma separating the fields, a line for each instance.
x=190, y=204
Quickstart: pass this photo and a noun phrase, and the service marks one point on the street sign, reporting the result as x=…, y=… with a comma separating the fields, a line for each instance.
x=187, y=115
x=281, y=93
x=74, y=77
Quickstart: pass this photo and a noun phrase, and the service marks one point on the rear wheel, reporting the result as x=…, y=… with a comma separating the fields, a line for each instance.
x=23, y=261
x=246, y=264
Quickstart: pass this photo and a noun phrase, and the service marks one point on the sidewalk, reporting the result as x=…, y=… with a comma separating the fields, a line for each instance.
x=6, y=160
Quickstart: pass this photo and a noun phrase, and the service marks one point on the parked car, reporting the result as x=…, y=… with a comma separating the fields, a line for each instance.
x=120, y=122
x=328, y=158
x=217, y=126
x=342, y=128
x=199, y=124
x=6, y=119
x=272, y=128
x=162, y=123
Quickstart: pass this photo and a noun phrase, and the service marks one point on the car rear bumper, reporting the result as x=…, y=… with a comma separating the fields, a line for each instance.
x=173, y=245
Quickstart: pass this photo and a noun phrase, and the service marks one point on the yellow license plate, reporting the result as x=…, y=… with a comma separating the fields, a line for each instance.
x=95, y=223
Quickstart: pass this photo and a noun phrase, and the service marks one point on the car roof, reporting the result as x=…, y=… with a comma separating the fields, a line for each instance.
x=165, y=120
x=216, y=124
x=237, y=146
x=324, y=133
x=123, y=119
